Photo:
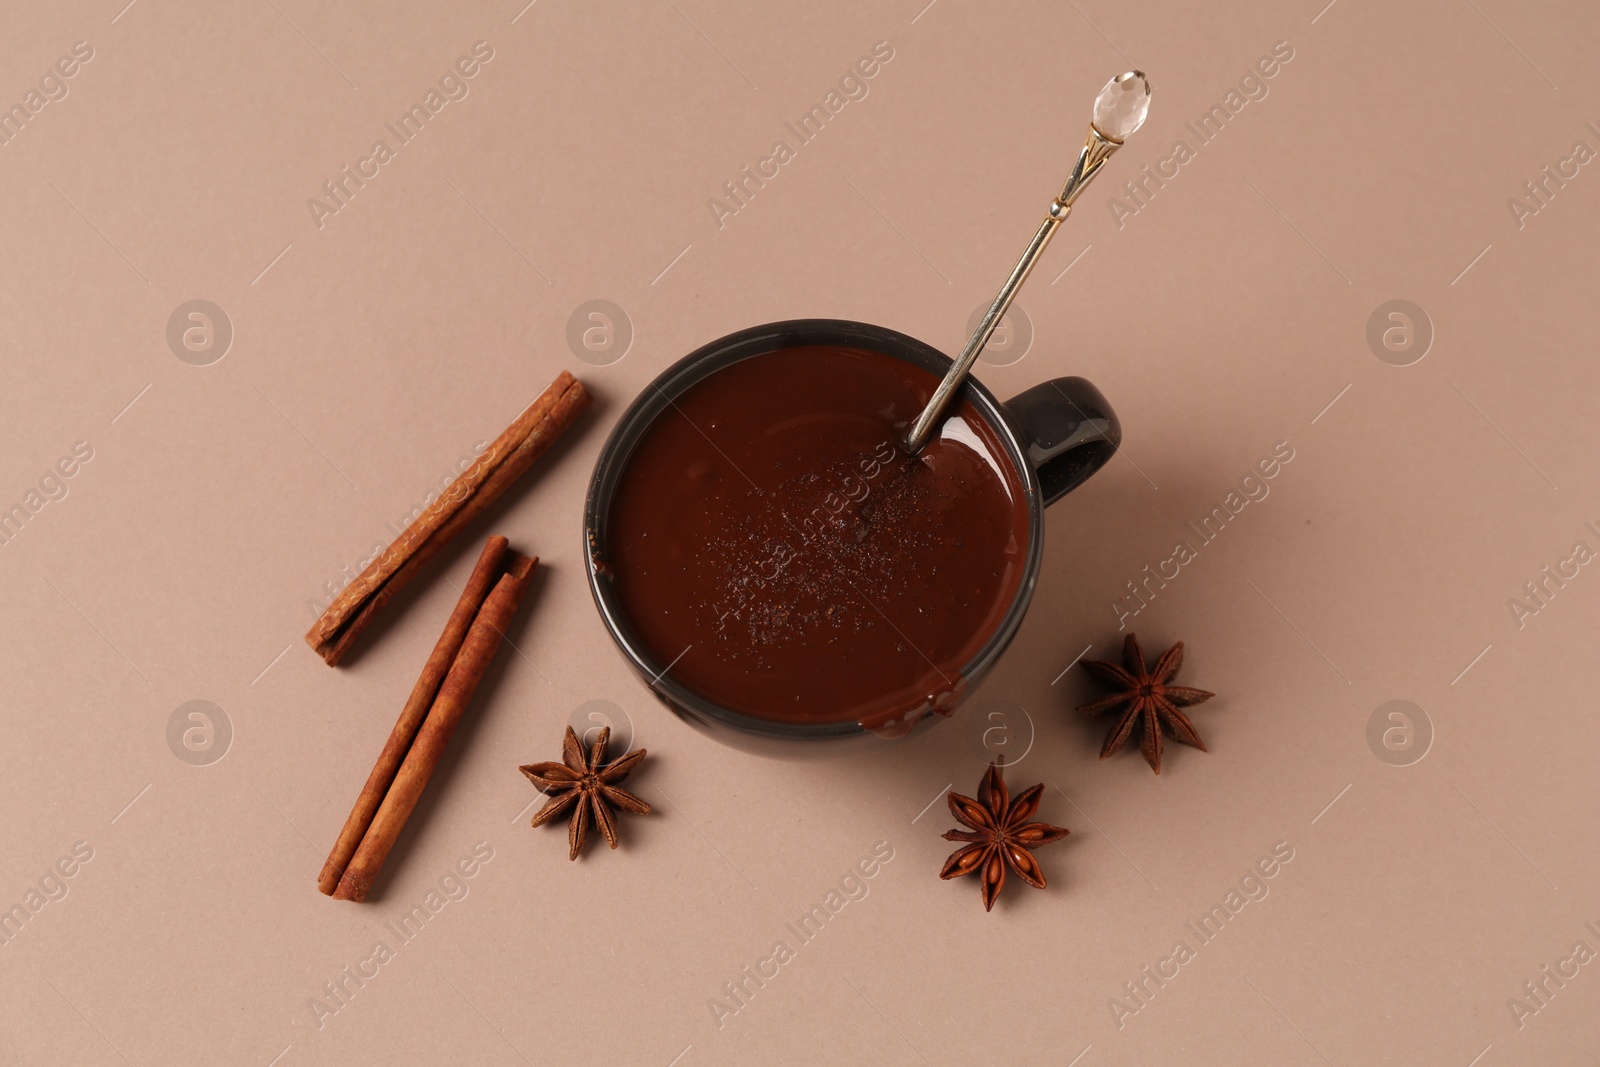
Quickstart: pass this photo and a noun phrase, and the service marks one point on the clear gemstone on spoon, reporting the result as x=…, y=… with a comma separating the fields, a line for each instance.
x=1122, y=105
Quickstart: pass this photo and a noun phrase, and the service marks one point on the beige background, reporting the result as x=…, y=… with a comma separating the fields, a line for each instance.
x=369, y=355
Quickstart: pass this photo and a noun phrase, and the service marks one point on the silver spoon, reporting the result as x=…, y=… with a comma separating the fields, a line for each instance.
x=1119, y=110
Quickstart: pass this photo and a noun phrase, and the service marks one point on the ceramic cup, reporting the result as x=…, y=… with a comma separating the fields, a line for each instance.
x=1054, y=435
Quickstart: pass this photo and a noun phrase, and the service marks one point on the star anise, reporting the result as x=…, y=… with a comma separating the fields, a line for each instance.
x=1148, y=696
x=1001, y=835
x=586, y=784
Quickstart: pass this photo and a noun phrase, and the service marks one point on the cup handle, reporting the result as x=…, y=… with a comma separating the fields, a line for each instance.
x=1067, y=431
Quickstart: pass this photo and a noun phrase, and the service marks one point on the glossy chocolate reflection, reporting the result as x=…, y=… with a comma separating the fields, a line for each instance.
x=772, y=543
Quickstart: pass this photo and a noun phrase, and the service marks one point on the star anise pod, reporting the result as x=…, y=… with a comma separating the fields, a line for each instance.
x=586, y=784
x=1148, y=696
x=1001, y=835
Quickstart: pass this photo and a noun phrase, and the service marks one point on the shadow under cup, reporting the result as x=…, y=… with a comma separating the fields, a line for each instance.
x=1049, y=439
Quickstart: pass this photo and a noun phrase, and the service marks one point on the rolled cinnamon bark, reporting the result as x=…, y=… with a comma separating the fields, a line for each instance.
x=422, y=696
x=455, y=693
x=505, y=460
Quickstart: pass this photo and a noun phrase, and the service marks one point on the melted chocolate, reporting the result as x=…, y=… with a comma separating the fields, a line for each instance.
x=771, y=540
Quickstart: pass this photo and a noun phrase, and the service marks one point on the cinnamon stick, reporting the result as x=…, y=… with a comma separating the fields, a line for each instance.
x=455, y=693
x=416, y=708
x=506, y=459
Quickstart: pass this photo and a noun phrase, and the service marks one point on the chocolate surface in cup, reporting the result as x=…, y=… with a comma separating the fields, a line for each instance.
x=772, y=542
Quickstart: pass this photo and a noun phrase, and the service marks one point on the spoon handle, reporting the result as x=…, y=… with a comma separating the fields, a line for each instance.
x=918, y=436
x=1120, y=108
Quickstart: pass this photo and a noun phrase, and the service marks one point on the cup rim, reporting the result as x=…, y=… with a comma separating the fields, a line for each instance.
x=713, y=356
